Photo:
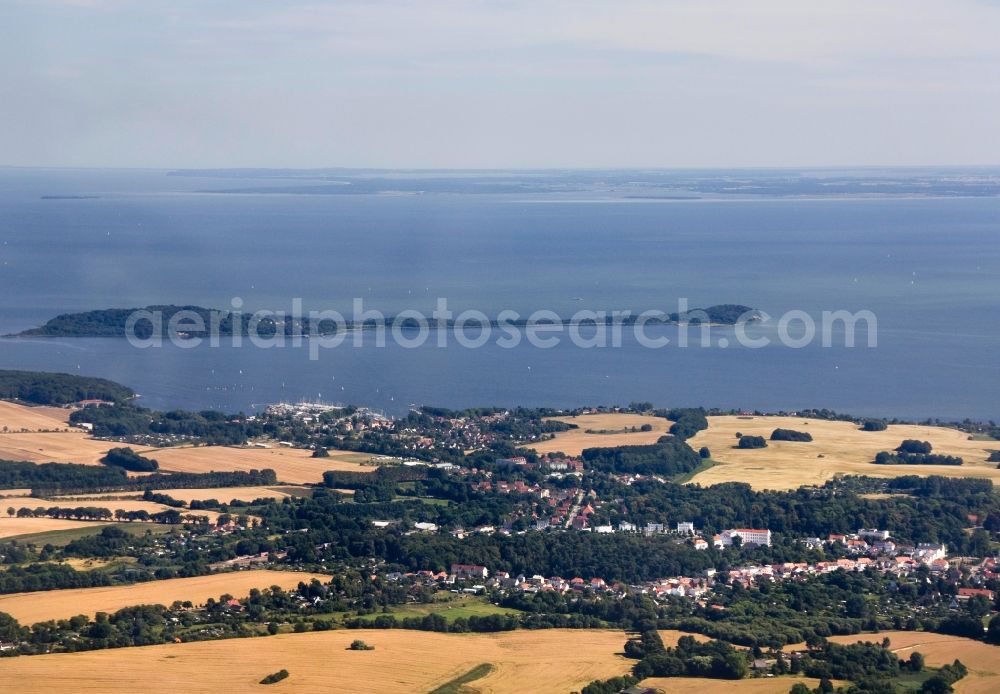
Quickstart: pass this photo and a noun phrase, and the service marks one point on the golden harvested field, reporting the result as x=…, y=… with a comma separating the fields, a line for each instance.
x=17, y=417
x=222, y=494
x=67, y=447
x=670, y=636
x=12, y=527
x=844, y=447
x=983, y=660
x=549, y=661
x=293, y=465
x=75, y=446
x=574, y=441
x=112, y=505
x=227, y=494
x=698, y=685
x=29, y=608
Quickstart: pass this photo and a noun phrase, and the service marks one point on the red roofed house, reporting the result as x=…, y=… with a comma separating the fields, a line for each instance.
x=966, y=593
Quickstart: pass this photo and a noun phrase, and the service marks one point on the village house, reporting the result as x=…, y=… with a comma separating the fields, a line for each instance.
x=884, y=547
x=967, y=593
x=464, y=572
x=928, y=552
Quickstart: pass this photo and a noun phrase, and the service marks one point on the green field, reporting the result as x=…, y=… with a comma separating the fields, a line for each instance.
x=292, y=490
x=61, y=538
x=687, y=477
x=448, y=605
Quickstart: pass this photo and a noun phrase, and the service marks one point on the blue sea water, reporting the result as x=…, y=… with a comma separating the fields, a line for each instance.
x=929, y=268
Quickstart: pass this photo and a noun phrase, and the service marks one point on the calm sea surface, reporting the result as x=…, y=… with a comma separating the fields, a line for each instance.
x=928, y=268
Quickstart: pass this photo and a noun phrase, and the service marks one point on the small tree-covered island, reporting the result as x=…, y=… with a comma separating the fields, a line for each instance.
x=197, y=321
x=123, y=526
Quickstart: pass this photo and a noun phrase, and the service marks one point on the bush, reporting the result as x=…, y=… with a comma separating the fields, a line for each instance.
x=944, y=678
x=275, y=677
x=704, y=453
x=790, y=435
x=130, y=460
x=321, y=453
x=359, y=645
x=752, y=442
x=688, y=421
x=874, y=425
x=994, y=457
x=886, y=458
x=914, y=446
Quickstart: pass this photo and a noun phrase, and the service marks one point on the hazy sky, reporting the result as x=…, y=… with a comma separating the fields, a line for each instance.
x=507, y=83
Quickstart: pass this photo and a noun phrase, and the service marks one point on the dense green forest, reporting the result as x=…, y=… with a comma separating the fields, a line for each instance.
x=51, y=479
x=722, y=314
x=128, y=459
x=58, y=389
x=669, y=456
x=114, y=322
x=687, y=421
x=208, y=426
x=21, y=475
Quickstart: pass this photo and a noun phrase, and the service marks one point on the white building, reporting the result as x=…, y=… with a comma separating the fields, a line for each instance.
x=928, y=552
x=686, y=528
x=747, y=536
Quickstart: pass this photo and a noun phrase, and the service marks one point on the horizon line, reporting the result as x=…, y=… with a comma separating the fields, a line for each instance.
x=526, y=169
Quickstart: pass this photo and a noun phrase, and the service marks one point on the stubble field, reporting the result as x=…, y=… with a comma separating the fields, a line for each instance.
x=574, y=441
x=29, y=608
x=129, y=504
x=292, y=465
x=19, y=417
x=12, y=527
x=836, y=448
x=550, y=661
